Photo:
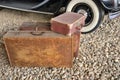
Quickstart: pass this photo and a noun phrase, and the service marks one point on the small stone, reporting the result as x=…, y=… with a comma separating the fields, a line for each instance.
x=64, y=76
x=116, y=60
x=47, y=76
x=76, y=73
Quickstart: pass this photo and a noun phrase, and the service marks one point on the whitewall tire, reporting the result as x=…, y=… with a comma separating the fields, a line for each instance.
x=95, y=13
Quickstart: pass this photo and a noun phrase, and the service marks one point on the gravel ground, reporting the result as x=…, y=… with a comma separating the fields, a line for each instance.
x=99, y=57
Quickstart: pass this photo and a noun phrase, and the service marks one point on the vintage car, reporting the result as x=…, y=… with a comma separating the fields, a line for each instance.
x=96, y=9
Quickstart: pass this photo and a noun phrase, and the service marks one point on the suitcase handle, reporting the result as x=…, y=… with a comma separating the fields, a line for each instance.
x=37, y=33
x=79, y=27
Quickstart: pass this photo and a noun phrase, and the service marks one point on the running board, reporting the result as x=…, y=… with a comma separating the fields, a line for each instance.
x=114, y=15
x=27, y=10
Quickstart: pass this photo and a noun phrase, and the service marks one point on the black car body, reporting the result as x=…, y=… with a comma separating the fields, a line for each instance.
x=113, y=5
x=94, y=8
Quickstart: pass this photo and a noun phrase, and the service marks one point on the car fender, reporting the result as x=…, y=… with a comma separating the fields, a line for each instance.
x=110, y=4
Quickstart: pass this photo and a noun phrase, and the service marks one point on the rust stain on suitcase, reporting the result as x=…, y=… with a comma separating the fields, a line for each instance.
x=47, y=50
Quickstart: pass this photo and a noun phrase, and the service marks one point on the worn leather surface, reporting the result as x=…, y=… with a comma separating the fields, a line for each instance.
x=28, y=41
x=67, y=23
x=76, y=43
x=31, y=26
x=47, y=50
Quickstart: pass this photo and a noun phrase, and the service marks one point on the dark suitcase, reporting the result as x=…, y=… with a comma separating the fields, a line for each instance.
x=46, y=49
x=35, y=26
x=31, y=26
x=68, y=23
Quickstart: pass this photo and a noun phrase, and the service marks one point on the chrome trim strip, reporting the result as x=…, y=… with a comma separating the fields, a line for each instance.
x=114, y=15
x=40, y=4
x=115, y=4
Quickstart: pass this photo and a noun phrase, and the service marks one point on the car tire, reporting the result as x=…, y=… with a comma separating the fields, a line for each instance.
x=94, y=11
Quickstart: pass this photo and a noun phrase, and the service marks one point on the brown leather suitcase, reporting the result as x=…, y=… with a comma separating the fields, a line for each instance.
x=31, y=26
x=39, y=48
x=68, y=23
